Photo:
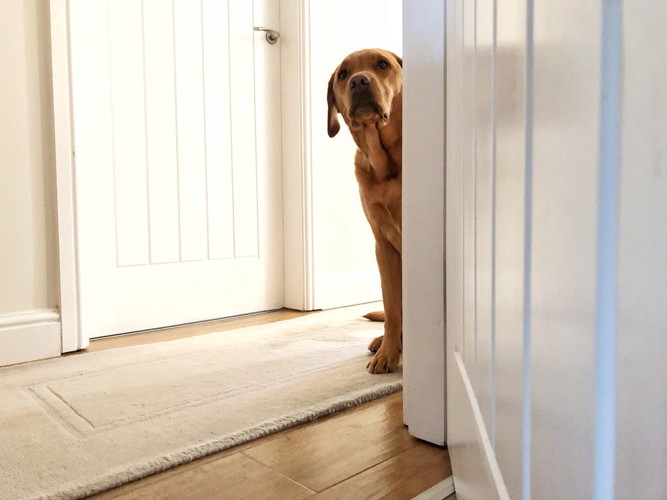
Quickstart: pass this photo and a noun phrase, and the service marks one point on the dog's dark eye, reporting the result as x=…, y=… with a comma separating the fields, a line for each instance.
x=383, y=65
x=342, y=75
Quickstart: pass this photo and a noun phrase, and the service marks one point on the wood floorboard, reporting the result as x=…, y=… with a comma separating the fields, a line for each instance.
x=364, y=452
x=233, y=476
x=320, y=456
x=403, y=476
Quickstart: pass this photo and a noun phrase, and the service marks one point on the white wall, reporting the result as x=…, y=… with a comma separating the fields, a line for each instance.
x=345, y=267
x=28, y=270
x=557, y=281
x=28, y=251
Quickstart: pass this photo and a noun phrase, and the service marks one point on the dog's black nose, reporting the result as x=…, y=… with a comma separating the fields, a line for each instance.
x=359, y=83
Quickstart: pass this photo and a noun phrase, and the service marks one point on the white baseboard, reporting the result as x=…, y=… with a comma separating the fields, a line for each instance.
x=29, y=336
x=439, y=491
x=474, y=464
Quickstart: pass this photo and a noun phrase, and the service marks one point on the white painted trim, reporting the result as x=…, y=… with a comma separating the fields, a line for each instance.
x=28, y=336
x=479, y=474
x=424, y=355
x=483, y=435
x=72, y=337
x=299, y=238
x=438, y=491
x=28, y=317
x=297, y=167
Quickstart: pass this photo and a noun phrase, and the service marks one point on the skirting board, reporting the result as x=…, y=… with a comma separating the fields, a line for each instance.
x=29, y=336
x=476, y=470
x=438, y=491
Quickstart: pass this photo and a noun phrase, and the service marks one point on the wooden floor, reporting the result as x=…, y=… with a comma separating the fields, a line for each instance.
x=365, y=452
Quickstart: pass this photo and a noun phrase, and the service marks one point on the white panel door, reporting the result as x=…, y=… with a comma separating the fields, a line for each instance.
x=176, y=112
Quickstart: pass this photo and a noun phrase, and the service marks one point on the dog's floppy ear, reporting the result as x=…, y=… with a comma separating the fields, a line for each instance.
x=399, y=60
x=332, y=121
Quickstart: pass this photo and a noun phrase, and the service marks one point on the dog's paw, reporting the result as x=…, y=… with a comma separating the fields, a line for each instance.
x=375, y=344
x=384, y=361
x=375, y=316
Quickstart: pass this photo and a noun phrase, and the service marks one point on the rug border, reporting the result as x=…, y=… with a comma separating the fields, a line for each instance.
x=133, y=472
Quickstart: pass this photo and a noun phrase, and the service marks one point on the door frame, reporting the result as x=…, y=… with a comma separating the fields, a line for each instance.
x=424, y=146
x=298, y=188
x=297, y=169
x=72, y=336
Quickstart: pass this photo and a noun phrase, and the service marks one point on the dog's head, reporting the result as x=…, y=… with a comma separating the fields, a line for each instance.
x=363, y=88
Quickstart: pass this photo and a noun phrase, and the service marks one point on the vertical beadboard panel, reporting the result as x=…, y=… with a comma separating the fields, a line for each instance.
x=469, y=414
x=641, y=333
x=161, y=141
x=454, y=179
x=267, y=63
x=218, y=129
x=510, y=216
x=565, y=148
x=484, y=151
x=191, y=130
x=579, y=374
x=129, y=131
x=241, y=38
x=606, y=286
x=469, y=172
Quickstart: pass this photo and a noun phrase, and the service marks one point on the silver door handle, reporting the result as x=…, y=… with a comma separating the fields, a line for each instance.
x=271, y=35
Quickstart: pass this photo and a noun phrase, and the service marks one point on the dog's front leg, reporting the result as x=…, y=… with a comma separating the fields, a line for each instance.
x=387, y=357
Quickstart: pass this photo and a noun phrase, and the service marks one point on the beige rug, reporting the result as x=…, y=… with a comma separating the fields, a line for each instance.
x=77, y=425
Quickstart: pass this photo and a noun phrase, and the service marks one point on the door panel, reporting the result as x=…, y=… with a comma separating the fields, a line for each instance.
x=161, y=143
x=128, y=136
x=219, y=149
x=174, y=204
x=190, y=127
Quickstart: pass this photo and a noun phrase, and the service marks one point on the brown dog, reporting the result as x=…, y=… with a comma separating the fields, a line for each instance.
x=366, y=89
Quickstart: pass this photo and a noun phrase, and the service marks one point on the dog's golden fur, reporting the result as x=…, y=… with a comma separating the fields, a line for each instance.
x=366, y=89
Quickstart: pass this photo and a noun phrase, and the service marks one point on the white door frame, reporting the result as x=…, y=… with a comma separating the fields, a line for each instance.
x=72, y=338
x=299, y=240
x=424, y=360
x=297, y=178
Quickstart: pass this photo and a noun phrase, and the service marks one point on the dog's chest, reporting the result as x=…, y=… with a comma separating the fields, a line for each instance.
x=382, y=204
